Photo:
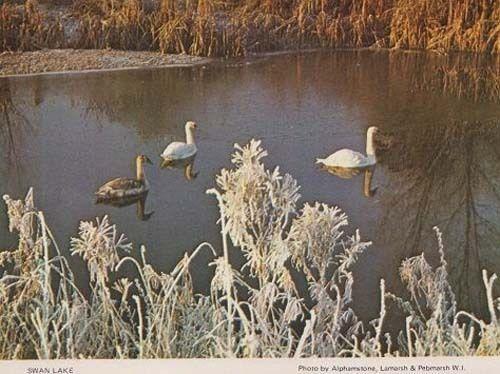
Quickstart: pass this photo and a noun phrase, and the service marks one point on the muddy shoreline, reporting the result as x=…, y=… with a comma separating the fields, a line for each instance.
x=78, y=60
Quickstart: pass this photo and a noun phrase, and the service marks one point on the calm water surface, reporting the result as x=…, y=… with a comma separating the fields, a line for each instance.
x=66, y=135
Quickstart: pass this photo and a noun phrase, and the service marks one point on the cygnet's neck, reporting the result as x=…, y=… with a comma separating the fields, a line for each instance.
x=370, y=148
x=140, y=170
x=189, y=136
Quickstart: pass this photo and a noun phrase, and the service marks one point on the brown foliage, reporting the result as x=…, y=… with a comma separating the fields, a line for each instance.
x=24, y=27
x=235, y=28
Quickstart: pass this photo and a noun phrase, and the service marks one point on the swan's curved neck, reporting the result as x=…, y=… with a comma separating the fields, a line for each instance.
x=370, y=147
x=140, y=170
x=189, y=136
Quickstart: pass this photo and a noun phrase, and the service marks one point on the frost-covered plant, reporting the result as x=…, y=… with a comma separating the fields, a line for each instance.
x=257, y=205
x=260, y=215
x=30, y=247
x=252, y=311
x=321, y=250
x=98, y=244
x=167, y=311
x=35, y=319
x=434, y=326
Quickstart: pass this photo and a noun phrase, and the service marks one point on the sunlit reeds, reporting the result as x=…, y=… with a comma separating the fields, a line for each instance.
x=445, y=26
x=26, y=27
x=231, y=28
x=254, y=313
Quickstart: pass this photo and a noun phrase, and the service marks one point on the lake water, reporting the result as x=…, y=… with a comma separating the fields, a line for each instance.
x=67, y=134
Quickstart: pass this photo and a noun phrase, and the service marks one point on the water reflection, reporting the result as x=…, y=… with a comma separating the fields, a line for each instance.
x=464, y=76
x=14, y=126
x=447, y=176
x=139, y=201
x=186, y=164
x=348, y=173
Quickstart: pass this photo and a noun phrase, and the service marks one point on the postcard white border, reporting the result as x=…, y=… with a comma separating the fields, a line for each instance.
x=415, y=365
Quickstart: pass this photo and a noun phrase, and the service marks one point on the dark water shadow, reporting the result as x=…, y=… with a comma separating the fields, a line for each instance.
x=14, y=127
x=187, y=165
x=348, y=173
x=139, y=201
x=447, y=177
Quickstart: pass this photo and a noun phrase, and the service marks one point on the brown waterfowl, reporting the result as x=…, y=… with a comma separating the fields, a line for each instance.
x=126, y=187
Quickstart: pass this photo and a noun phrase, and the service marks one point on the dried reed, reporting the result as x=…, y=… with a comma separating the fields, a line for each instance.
x=233, y=28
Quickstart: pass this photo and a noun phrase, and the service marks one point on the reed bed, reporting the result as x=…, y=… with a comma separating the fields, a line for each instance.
x=237, y=28
x=443, y=25
x=45, y=315
x=27, y=27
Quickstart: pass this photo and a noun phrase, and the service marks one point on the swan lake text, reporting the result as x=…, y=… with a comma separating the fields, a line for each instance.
x=46, y=370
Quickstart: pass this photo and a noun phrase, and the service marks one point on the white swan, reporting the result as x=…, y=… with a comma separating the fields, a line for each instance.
x=179, y=150
x=348, y=158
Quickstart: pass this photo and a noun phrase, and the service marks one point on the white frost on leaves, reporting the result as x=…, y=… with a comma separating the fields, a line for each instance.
x=255, y=309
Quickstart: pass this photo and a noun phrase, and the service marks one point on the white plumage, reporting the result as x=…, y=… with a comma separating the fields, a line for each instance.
x=179, y=150
x=348, y=158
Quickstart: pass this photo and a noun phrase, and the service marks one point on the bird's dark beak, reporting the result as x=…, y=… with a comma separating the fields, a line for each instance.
x=148, y=160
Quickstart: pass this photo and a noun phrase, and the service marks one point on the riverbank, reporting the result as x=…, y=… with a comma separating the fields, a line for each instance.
x=62, y=60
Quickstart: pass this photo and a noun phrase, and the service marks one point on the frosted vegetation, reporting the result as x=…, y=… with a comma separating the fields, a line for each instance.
x=255, y=310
